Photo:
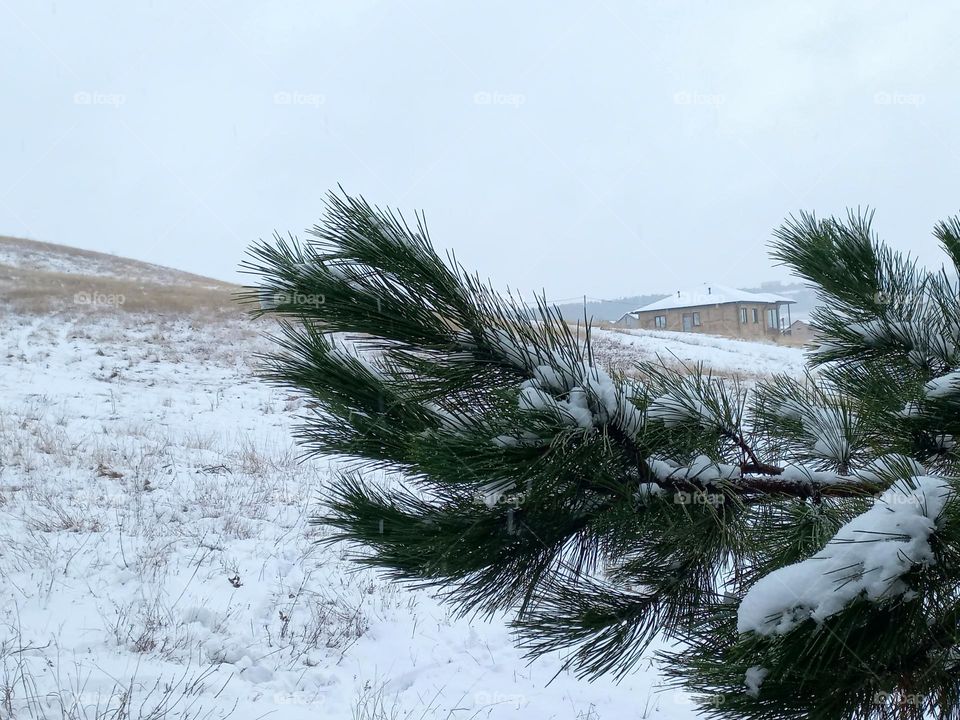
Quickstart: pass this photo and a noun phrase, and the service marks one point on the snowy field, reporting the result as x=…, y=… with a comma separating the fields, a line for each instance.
x=156, y=558
x=723, y=356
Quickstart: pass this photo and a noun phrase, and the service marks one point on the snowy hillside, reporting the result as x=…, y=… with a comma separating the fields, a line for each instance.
x=41, y=277
x=47, y=257
x=156, y=553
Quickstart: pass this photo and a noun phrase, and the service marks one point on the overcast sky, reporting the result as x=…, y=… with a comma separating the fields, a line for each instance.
x=597, y=148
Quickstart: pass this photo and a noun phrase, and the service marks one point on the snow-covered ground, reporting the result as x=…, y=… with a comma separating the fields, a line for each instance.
x=155, y=550
x=726, y=356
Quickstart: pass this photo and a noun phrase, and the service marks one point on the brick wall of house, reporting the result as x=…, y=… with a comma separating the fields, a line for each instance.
x=716, y=320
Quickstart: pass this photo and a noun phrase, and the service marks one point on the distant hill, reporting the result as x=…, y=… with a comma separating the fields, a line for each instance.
x=608, y=310
x=39, y=277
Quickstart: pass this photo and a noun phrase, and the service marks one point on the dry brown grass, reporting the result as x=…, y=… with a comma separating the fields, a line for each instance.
x=97, y=283
x=39, y=292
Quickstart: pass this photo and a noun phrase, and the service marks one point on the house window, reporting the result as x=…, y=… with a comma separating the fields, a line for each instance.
x=756, y=315
x=772, y=320
x=660, y=321
x=743, y=316
x=696, y=319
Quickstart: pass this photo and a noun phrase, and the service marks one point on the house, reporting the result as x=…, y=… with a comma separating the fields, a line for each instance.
x=716, y=310
x=801, y=332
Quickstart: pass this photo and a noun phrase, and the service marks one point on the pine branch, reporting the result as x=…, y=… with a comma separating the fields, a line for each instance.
x=604, y=510
x=948, y=233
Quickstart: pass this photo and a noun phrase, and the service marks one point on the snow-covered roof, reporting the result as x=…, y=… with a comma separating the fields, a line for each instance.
x=711, y=294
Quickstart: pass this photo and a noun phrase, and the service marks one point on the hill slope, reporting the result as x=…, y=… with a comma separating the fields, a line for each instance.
x=38, y=277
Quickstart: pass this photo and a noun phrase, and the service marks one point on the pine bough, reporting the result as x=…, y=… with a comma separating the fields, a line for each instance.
x=796, y=541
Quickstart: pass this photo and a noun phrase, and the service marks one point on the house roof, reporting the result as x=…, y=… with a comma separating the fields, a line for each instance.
x=711, y=294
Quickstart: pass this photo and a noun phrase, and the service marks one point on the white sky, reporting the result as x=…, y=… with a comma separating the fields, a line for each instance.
x=597, y=148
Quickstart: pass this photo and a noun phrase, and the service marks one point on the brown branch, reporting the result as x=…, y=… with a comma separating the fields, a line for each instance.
x=757, y=479
x=754, y=466
x=773, y=485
